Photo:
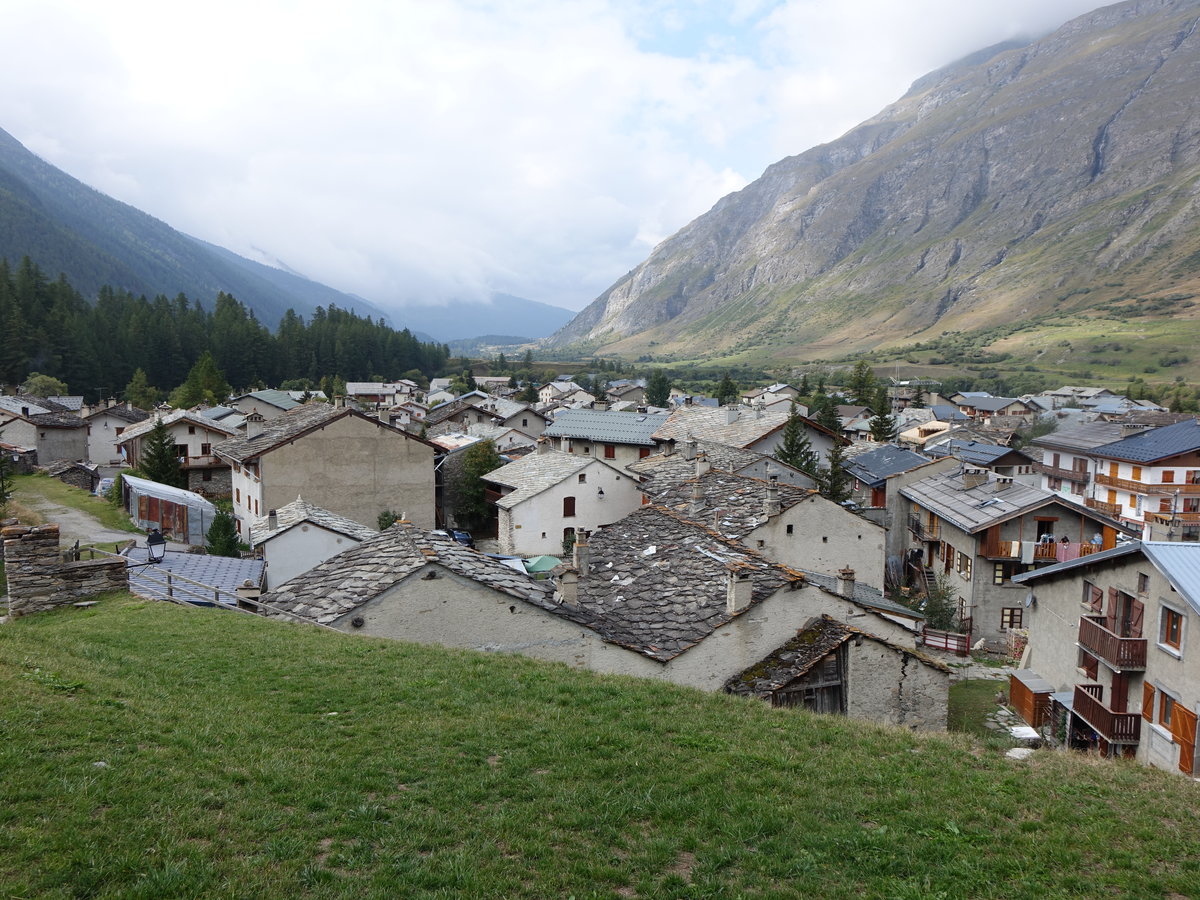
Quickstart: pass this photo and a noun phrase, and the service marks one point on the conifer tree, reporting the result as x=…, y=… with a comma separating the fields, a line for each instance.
x=6, y=484
x=158, y=460
x=795, y=449
x=658, y=389
x=140, y=393
x=883, y=423
x=835, y=481
x=222, y=538
x=823, y=411
x=727, y=391
x=862, y=384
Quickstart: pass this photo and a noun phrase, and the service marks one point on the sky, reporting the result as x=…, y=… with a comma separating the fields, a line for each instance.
x=442, y=149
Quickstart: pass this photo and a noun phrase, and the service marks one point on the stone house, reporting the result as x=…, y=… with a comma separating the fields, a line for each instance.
x=618, y=438
x=1110, y=652
x=980, y=531
x=342, y=460
x=478, y=408
x=653, y=596
x=547, y=498
x=194, y=436
x=300, y=535
x=674, y=464
x=832, y=667
x=267, y=403
x=50, y=428
x=871, y=471
x=748, y=427
x=106, y=426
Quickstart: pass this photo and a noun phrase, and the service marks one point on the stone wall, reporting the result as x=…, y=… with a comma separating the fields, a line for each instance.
x=38, y=579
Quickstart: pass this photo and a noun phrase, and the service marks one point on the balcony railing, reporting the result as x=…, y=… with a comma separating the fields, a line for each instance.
x=1182, y=518
x=1109, y=509
x=1121, y=653
x=1142, y=487
x=1077, y=475
x=924, y=530
x=1047, y=552
x=207, y=461
x=1114, y=727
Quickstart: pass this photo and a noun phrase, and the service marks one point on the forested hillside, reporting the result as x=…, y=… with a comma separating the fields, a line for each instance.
x=47, y=327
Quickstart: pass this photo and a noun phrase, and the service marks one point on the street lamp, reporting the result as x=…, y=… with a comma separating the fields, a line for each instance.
x=156, y=546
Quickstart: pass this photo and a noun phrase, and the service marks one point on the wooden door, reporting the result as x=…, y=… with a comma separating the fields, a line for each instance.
x=1183, y=729
x=1119, y=701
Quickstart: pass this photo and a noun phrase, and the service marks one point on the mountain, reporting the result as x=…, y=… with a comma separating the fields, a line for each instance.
x=503, y=315
x=1058, y=178
x=66, y=226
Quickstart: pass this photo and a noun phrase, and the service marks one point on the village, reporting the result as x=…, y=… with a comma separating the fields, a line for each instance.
x=696, y=542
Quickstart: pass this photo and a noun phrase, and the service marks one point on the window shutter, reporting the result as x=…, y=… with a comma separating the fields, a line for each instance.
x=1137, y=612
x=1110, y=621
x=1183, y=729
x=1097, y=599
x=1147, y=701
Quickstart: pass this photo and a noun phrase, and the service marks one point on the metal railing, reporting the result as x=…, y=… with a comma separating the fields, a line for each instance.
x=922, y=529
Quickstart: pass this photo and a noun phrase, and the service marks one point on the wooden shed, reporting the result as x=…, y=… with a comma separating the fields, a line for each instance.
x=1029, y=694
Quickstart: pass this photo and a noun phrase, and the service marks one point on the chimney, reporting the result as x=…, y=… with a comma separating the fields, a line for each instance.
x=731, y=414
x=1003, y=482
x=600, y=406
x=582, y=555
x=542, y=446
x=702, y=464
x=1130, y=428
x=758, y=407
x=696, y=506
x=568, y=588
x=845, y=583
x=739, y=591
x=973, y=478
x=110, y=402
x=689, y=447
x=771, y=505
x=272, y=521
x=255, y=425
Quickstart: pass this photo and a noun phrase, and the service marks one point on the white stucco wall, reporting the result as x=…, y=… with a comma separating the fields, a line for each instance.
x=824, y=538
x=300, y=548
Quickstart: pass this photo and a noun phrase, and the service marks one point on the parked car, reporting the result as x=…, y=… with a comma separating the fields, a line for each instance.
x=463, y=537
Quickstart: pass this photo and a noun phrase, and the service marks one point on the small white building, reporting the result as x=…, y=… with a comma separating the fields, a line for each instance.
x=298, y=536
x=549, y=497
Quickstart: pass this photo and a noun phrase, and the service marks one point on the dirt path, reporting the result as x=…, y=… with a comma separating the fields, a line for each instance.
x=73, y=524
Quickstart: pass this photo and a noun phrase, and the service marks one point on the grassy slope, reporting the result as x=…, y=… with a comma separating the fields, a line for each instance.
x=43, y=486
x=152, y=751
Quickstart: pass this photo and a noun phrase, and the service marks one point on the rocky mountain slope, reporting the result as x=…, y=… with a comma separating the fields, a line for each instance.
x=1023, y=182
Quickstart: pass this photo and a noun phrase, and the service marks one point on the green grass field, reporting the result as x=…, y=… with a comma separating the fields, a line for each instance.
x=152, y=751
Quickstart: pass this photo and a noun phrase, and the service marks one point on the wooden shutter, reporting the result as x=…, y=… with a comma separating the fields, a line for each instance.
x=1183, y=729
x=1110, y=620
x=1097, y=599
x=1147, y=701
x=1137, y=612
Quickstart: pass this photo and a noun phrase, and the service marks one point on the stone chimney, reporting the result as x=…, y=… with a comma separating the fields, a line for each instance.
x=973, y=478
x=600, y=405
x=845, y=583
x=758, y=405
x=542, y=446
x=702, y=464
x=255, y=425
x=731, y=414
x=582, y=556
x=272, y=520
x=1003, y=482
x=739, y=590
x=110, y=402
x=771, y=505
x=689, y=447
x=696, y=506
x=1130, y=428
x=568, y=587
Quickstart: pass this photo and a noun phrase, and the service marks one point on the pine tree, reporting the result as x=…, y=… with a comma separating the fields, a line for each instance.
x=835, y=480
x=205, y=384
x=222, y=537
x=804, y=388
x=158, y=461
x=6, y=484
x=918, y=398
x=883, y=423
x=823, y=411
x=862, y=384
x=727, y=391
x=658, y=389
x=471, y=507
x=795, y=449
x=140, y=393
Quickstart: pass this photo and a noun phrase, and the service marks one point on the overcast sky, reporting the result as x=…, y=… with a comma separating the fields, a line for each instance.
x=427, y=150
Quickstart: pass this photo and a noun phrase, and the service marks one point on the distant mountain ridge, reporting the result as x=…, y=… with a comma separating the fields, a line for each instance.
x=67, y=227
x=467, y=319
x=1021, y=182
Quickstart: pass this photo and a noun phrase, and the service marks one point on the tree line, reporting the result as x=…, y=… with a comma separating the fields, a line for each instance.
x=47, y=326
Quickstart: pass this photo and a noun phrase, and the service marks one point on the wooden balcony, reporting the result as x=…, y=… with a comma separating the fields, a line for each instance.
x=923, y=529
x=1142, y=487
x=1045, y=553
x=1179, y=518
x=1114, y=727
x=1109, y=509
x=1081, y=477
x=1121, y=653
x=208, y=461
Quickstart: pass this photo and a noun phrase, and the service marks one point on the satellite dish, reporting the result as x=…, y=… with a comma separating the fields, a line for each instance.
x=1030, y=600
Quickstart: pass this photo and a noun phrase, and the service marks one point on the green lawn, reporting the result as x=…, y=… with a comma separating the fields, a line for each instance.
x=149, y=750
x=52, y=489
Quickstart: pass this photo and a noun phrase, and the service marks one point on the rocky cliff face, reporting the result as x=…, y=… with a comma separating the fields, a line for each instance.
x=1000, y=188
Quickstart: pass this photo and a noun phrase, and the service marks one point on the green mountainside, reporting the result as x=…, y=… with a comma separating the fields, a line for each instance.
x=1024, y=189
x=96, y=241
x=149, y=750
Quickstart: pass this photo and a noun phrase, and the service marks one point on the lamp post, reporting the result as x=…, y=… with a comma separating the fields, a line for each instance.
x=156, y=546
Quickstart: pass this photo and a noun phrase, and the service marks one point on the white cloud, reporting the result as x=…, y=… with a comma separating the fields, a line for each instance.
x=409, y=150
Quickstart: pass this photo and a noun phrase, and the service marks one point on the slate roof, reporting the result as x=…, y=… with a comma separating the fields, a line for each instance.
x=864, y=595
x=281, y=399
x=344, y=582
x=40, y=411
x=876, y=466
x=748, y=427
x=992, y=404
x=133, y=415
x=1158, y=443
x=73, y=403
x=224, y=572
x=532, y=474
x=179, y=415
x=668, y=469
x=976, y=453
x=973, y=509
x=606, y=426
x=657, y=583
x=293, y=424
x=1083, y=437
x=816, y=640
x=300, y=510
x=944, y=412
x=732, y=504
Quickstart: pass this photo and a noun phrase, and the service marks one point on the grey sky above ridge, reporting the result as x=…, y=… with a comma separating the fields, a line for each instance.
x=419, y=152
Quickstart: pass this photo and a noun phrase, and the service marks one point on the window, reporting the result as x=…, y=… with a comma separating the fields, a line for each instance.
x=205, y=449
x=998, y=574
x=524, y=423
x=964, y=566
x=1143, y=583
x=583, y=477
x=191, y=429
x=1168, y=476
x=643, y=452
x=1010, y=617
x=1166, y=709
x=568, y=507
x=1171, y=630
x=237, y=495
x=206, y=475
x=790, y=528
x=256, y=507
x=610, y=451
x=181, y=451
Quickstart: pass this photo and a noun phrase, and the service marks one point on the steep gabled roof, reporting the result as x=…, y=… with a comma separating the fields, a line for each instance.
x=668, y=469
x=130, y=414
x=281, y=399
x=299, y=511
x=606, y=426
x=733, y=505
x=344, y=582
x=294, y=424
x=878, y=465
x=40, y=411
x=975, y=508
x=532, y=474
x=186, y=416
x=1158, y=443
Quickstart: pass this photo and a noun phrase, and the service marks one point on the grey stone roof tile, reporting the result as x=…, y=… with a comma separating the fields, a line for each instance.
x=300, y=510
